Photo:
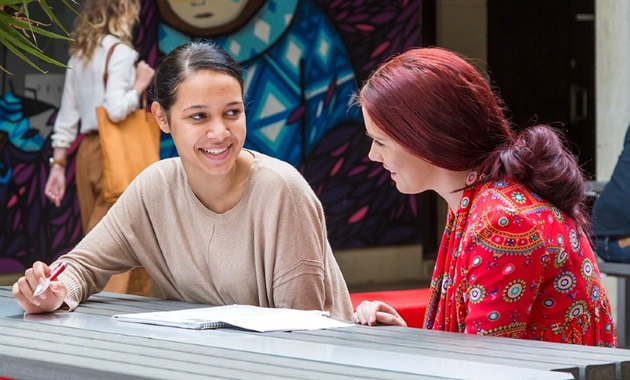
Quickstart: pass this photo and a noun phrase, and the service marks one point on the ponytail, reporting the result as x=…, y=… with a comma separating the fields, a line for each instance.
x=538, y=159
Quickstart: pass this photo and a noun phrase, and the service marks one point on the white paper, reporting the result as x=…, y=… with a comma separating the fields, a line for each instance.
x=248, y=317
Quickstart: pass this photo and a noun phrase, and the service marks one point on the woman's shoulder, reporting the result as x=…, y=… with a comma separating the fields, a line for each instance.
x=166, y=170
x=166, y=175
x=275, y=172
x=274, y=167
x=515, y=193
x=502, y=219
x=498, y=202
x=509, y=205
x=121, y=48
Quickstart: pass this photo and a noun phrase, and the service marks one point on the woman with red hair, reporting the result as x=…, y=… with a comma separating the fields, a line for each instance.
x=515, y=259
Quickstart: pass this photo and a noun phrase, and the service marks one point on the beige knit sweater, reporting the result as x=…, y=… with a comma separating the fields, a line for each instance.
x=270, y=250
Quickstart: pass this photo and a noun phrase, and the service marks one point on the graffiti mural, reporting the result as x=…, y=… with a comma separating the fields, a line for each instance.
x=303, y=60
x=32, y=228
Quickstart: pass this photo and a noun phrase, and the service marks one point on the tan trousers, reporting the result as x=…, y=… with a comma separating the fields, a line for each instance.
x=89, y=182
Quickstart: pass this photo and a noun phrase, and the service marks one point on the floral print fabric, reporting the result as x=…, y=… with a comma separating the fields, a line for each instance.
x=511, y=264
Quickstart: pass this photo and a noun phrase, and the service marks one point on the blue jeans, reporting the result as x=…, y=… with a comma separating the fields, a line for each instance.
x=611, y=251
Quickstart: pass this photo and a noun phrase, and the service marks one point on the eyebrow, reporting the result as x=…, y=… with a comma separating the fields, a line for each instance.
x=200, y=106
x=370, y=136
x=195, y=106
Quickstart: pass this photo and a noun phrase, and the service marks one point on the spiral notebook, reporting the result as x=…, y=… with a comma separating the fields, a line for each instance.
x=247, y=317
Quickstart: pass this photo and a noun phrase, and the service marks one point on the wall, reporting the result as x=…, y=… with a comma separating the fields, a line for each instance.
x=612, y=81
x=461, y=26
x=612, y=43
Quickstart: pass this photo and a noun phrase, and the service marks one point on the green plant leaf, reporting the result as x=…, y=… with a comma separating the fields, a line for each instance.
x=52, y=16
x=14, y=36
x=24, y=25
x=15, y=19
x=12, y=3
x=18, y=52
x=28, y=47
x=19, y=42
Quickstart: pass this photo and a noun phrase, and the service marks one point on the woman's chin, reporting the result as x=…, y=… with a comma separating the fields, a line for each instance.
x=407, y=190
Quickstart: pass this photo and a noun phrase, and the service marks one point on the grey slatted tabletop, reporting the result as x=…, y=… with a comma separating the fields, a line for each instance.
x=88, y=343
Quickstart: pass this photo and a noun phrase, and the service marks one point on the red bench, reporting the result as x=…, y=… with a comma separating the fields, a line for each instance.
x=411, y=304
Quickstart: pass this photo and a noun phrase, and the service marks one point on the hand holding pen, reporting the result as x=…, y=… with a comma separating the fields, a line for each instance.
x=41, y=288
x=38, y=291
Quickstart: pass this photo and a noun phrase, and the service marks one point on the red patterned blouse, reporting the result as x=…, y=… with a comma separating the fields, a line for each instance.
x=511, y=264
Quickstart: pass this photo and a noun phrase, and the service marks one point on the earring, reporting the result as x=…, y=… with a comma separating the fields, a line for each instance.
x=472, y=177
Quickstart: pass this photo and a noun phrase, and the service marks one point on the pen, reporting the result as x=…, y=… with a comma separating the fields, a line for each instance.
x=41, y=288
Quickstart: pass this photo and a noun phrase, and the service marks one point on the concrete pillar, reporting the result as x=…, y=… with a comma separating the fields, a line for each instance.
x=612, y=67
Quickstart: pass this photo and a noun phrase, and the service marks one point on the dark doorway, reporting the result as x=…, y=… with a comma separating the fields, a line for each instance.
x=541, y=56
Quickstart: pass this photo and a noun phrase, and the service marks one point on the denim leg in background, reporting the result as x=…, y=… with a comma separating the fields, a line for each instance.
x=609, y=250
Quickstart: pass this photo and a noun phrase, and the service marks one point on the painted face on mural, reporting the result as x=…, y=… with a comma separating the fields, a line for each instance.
x=206, y=17
x=207, y=13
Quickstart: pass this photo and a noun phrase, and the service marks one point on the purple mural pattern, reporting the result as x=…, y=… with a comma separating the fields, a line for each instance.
x=362, y=205
x=31, y=227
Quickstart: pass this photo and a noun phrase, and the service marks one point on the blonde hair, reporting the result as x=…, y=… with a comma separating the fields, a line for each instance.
x=100, y=18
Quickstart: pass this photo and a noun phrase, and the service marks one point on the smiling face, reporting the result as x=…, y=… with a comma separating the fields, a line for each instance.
x=207, y=123
x=412, y=174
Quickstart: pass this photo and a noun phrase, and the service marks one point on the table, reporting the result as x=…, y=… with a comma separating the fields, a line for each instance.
x=622, y=323
x=88, y=343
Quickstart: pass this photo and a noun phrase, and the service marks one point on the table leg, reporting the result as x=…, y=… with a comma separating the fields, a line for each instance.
x=623, y=322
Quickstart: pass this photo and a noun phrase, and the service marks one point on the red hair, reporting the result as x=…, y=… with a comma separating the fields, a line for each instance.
x=442, y=110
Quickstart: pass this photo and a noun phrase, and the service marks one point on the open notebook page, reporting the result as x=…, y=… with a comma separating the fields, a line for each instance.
x=248, y=317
